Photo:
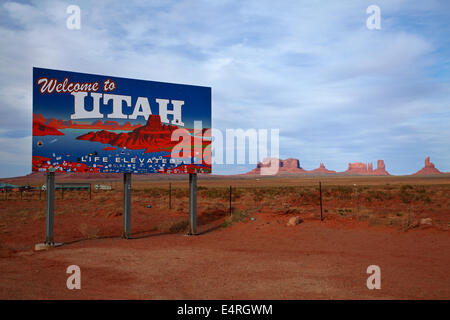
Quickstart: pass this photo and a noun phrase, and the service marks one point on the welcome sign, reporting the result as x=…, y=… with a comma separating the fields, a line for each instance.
x=94, y=123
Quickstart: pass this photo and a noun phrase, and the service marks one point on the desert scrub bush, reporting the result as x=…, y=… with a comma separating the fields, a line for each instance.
x=215, y=207
x=395, y=220
x=182, y=206
x=101, y=198
x=236, y=193
x=308, y=191
x=23, y=212
x=266, y=203
x=237, y=216
x=376, y=221
x=406, y=187
x=343, y=211
x=110, y=204
x=421, y=189
x=146, y=194
x=173, y=226
x=39, y=214
x=258, y=195
x=379, y=195
x=215, y=193
x=363, y=214
x=424, y=198
x=406, y=194
x=343, y=192
x=288, y=210
x=180, y=193
x=114, y=212
x=271, y=192
x=88, y=232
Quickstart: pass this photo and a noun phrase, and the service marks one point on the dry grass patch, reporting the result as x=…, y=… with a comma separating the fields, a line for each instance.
x=88, y=231
x=173, y=226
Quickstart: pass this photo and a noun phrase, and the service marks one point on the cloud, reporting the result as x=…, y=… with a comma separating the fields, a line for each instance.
x=337, y=91
x=15, y=156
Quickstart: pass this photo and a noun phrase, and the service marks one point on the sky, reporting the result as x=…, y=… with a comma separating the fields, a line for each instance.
x=338, y=91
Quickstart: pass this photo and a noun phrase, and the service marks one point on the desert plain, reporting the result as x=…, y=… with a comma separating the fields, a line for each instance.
x=400, y=224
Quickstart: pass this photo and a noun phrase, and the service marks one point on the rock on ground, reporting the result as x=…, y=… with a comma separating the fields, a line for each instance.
x=294, y=221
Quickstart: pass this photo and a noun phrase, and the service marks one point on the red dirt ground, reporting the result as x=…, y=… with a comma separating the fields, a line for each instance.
x=258, y=258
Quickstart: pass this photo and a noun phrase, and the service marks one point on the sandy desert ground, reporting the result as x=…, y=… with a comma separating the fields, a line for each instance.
x=398, y=223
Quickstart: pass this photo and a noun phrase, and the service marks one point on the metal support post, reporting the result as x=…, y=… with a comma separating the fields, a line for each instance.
x=126, y=205
x=193, y=203
x=50, y=212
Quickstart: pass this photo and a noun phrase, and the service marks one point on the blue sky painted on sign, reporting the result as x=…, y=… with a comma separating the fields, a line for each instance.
x=337, y=91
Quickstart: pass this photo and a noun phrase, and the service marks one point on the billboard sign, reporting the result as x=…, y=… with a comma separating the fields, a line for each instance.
x=94, y=123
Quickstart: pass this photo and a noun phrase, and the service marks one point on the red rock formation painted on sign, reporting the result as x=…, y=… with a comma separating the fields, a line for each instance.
x=42, y=164
x=153, y=137
x=428, y=169
x=40, y=128
x=98, y=124
x=188, y=168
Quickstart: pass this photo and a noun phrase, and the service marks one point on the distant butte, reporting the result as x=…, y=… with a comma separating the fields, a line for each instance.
x=292, y=166
x=285, y=166
x=428, y=169
x=360, y=168
x=322, y=169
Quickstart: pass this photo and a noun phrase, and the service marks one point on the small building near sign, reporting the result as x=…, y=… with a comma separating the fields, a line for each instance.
x=103, y=187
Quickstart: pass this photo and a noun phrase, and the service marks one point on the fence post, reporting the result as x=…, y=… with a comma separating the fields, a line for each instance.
x=50, y=197
x=320, y=192
x=230, y=200
x=170, y=195
x=126, y=205
x=193, y=203
x=356, y=194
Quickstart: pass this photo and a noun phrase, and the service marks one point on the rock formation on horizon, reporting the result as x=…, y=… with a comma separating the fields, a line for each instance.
x=360, y=168
x=428, y=169
x=290, y=165
x=322, y=169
